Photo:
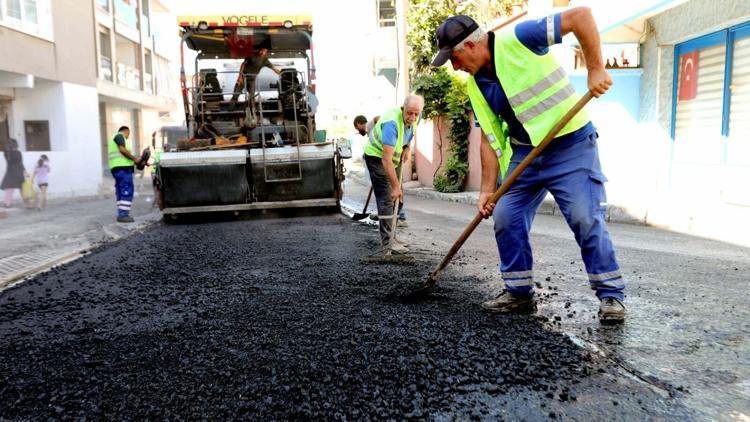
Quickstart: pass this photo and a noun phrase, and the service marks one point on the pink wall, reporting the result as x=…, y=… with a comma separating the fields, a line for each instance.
x=474, y=181
x=427, y=154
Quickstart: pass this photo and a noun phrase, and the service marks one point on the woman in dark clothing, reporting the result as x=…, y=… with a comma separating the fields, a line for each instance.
x=14, y=171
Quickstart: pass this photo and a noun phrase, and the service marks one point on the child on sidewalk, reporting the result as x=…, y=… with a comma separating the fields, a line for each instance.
x=41, y=175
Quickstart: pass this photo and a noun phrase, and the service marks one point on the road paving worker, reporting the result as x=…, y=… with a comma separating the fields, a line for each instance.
x=121, y=164
x=364, y=127
x=389, y=145
x=518, y=92
x=249, y=69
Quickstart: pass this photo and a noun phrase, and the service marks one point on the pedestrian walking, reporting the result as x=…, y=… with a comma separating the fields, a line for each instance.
x=121, y=164
x=388, y=145
x=41, y=177
x=518, y=92
x=15, y=173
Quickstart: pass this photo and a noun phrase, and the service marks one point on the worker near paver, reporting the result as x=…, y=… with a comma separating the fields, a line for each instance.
x=360, y=125
x=518, y=92
x=388, y=145
x=364, y=128
x=248, y=72
x=121, y=164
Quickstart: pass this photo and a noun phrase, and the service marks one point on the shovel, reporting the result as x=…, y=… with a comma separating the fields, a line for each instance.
x=362, y=215
x=437, y=272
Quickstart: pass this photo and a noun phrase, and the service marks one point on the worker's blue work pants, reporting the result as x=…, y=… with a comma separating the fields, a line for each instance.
x=123, y=190
x=570, y=171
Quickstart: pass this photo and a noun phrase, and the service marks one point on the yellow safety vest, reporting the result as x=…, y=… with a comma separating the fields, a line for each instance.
x=115, y=157
x=374, y=147
x=538, y=90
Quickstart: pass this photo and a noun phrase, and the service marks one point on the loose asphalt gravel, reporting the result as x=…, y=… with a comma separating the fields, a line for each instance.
x=282, y=319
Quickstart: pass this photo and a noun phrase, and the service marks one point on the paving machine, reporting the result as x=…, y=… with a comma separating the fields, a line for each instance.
x=253, y=141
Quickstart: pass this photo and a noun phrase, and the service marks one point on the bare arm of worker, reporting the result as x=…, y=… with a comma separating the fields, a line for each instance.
x=124, y=151
x=240, y=76
x=276, y=69
x=405, y=156
x=580, y=22
x=489, y=177
x=390, y=171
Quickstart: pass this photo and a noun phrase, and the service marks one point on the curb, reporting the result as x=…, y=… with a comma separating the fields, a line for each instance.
x=113, y=232
x=614, y=214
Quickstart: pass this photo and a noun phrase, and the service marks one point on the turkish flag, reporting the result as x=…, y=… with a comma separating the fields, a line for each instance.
x=688, y=76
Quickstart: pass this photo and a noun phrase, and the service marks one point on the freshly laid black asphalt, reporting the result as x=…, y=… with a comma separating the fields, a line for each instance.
x=282, y=319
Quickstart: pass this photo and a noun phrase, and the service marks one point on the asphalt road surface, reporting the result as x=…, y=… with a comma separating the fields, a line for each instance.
x=281, y=318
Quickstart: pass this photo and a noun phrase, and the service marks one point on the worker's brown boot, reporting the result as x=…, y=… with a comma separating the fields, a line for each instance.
x=397, y=248
x=611, y=311
x=507, y=302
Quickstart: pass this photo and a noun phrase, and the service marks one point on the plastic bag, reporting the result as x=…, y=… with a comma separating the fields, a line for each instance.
x=27, y=189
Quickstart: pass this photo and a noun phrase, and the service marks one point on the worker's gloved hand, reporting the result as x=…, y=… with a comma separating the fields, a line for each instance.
x=483, y=206
x=143, y=161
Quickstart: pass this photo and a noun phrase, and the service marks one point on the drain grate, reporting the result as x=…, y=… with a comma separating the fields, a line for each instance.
x=17, y=266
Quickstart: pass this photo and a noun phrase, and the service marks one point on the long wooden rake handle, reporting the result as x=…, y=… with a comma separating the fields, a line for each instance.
x=435, y=274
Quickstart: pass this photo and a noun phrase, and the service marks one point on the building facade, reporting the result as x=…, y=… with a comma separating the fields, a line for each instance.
x=48, y=95
x=135, y=74
x=674, y=137
x=74, y=71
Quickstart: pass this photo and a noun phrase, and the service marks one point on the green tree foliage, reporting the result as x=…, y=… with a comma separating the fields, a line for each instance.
x=444, y=91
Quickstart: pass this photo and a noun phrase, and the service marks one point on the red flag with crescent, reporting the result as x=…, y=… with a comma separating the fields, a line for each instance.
x=688, y=76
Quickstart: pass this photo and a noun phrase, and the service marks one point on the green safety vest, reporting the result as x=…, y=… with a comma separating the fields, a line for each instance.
x=115, y=157
x=539, y=93
x=374, y=147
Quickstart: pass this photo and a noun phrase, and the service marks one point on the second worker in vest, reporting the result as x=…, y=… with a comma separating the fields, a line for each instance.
x=122, y=165
x=388, y=142
x=518, y=92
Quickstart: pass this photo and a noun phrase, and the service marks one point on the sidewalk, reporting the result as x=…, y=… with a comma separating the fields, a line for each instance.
x=32, y=241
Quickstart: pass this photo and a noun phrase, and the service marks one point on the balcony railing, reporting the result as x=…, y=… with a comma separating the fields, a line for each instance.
x=128, y=77
x=147, y=83
x=106, y=68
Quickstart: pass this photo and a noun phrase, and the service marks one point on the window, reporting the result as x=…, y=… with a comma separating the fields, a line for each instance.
x=738, y=124
x=13, y=9
x=37, y=135
x=29, y=8
x=128, y=63
x=711, y=91
x=386, y=13
x=700, y=88
x=105, y=54
x=103, y=4
x=711, y=110
x=125, y=10
x=148, y=73
x=30, y=16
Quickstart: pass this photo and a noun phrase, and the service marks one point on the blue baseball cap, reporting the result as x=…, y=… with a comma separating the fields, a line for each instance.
x=451, y=32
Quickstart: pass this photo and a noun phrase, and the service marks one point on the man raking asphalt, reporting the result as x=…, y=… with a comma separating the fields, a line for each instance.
x=519, y=92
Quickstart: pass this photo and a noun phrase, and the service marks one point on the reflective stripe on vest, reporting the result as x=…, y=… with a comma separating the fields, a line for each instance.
x=115, y=157
x=374, y=147
x=539, y=95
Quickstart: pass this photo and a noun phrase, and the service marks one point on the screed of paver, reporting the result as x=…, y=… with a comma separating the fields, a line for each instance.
x=281, y=319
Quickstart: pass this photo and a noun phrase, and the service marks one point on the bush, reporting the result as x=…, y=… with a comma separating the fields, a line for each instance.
x=443, y=91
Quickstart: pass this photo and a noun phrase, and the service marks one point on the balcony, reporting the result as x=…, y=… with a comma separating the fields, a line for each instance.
x=105, y=67
x=128, y=77
x=148, y=83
